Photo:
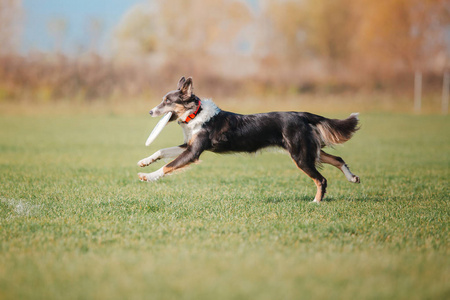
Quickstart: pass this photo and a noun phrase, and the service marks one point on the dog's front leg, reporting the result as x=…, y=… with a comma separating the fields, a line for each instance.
x=163, y=153
x=181, y=161
x=190, y=155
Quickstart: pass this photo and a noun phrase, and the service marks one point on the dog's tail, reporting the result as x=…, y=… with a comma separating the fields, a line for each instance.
x=334, y=132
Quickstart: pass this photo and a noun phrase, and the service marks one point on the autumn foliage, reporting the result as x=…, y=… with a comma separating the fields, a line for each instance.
x=305, y=46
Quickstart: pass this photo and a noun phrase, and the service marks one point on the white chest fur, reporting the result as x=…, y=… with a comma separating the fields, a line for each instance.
x=209, y=110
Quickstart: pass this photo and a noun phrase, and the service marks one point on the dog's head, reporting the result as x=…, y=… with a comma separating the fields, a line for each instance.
x=178, y=101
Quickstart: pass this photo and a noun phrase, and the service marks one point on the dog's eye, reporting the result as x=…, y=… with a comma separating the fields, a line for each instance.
x=166, y=100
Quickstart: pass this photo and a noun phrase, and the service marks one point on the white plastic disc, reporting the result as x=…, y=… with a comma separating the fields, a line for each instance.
x=158, y=128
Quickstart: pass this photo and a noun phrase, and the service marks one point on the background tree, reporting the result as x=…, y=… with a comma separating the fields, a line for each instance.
x=402, y=35
x=329, y=27
x=186, y=35
x=10, y=20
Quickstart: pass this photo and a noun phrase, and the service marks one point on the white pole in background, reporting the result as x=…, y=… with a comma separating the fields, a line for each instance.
x=417, y=91
x=445, y=92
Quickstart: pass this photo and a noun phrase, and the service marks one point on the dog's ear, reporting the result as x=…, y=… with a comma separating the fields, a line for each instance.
x=181, y=82
x=186, y=88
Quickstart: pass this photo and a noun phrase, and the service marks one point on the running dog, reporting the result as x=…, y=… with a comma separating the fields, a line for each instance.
x=206, y=127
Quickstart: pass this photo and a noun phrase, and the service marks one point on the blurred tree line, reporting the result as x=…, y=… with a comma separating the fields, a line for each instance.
x=228, y=45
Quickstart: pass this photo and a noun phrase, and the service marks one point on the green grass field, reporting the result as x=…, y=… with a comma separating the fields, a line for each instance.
x=75, y=222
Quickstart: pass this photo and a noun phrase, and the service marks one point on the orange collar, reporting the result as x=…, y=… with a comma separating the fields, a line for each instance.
x=194, y=114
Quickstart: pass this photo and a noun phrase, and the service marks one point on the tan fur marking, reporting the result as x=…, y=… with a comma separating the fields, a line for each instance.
x=179, y=109
x=167, y=170
x=330, y=136
x=328, y=159
x=319, y=193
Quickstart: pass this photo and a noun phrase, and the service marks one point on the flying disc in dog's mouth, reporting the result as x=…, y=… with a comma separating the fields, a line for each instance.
x=158, y=128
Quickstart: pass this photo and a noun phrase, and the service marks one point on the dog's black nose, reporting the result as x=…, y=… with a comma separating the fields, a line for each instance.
x=151, y=113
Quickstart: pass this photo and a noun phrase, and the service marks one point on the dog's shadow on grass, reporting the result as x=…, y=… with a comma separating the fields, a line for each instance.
x=327, y=199
x=293, y=198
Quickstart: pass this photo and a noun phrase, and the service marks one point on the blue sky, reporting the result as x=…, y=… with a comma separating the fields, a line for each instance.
x=39, y=14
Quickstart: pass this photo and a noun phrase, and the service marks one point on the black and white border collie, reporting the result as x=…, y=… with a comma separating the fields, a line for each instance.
x=206, y=127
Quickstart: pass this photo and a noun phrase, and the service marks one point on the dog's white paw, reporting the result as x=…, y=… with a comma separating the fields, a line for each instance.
x=146, y=177
x=315, y=201
x=146, y=162
x=142, y=176
x=356, y=179
x=143, y=163
x=150, y=177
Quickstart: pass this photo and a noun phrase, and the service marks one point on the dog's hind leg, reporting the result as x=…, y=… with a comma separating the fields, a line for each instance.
x=304, y=151
x=340, y=164
x=163, y=153
x=307, y=165
x=320, y=181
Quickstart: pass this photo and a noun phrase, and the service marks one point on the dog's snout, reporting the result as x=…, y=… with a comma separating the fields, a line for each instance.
x=151, y=112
